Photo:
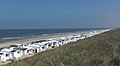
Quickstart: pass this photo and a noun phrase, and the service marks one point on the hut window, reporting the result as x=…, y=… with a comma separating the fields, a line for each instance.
x=27, y=51
x=7, y=55
x=54, y=43
x=18, y=52
x=42, y=47
x=33, y=50
x=49, y=45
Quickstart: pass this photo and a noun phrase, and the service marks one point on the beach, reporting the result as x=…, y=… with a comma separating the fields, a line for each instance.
x=30, y=46
x=39, y=37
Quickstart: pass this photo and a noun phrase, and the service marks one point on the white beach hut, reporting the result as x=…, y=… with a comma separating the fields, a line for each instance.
x=5, y=56
x=23, y=51
x=29, y=50
x=36, y=49
x=16, y=54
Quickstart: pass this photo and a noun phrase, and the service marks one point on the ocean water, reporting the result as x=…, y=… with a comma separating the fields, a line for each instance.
x=15, y=34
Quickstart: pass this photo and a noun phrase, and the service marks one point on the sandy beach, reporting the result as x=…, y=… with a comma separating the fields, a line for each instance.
x=39, y=37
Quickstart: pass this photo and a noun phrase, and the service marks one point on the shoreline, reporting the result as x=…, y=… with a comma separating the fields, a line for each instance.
x=39, y=37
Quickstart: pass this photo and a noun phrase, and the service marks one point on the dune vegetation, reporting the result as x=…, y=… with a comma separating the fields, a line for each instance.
x=99, y=50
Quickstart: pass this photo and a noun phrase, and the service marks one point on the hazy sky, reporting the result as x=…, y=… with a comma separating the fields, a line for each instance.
x=19, y=14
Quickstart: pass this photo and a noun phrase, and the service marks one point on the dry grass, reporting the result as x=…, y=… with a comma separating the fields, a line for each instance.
x=100, y=50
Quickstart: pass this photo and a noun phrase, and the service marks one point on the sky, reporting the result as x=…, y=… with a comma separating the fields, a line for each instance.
x=40, y=14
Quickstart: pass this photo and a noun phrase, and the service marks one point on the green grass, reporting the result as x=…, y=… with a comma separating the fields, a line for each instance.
x=99, y=50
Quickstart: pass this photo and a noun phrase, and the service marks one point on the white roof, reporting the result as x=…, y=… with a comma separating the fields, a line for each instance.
x=36, y=45
x=18, y=44
x=29, y=47
x=33, y=46
x=6, y=49
x=5, y=52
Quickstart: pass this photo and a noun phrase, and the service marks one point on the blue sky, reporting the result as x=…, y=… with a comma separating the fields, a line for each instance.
x=37, y=14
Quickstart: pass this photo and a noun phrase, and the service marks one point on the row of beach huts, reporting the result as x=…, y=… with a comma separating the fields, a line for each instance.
x=18, y=51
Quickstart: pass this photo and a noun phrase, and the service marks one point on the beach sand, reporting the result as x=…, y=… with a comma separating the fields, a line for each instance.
x=39, y=37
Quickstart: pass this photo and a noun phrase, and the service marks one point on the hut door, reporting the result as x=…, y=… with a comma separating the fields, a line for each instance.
x=35, y=50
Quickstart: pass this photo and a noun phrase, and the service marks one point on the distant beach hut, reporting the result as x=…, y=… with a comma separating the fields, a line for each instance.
x=12, y=52
x=35, y=49
x=16, y=54
x=5, y=56
x=23, y=51
x=29, y=50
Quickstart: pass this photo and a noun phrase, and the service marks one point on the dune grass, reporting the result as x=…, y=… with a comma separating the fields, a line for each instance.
x=99, y=50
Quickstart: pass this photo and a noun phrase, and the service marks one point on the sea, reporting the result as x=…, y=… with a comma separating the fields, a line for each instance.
x=16, y=34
